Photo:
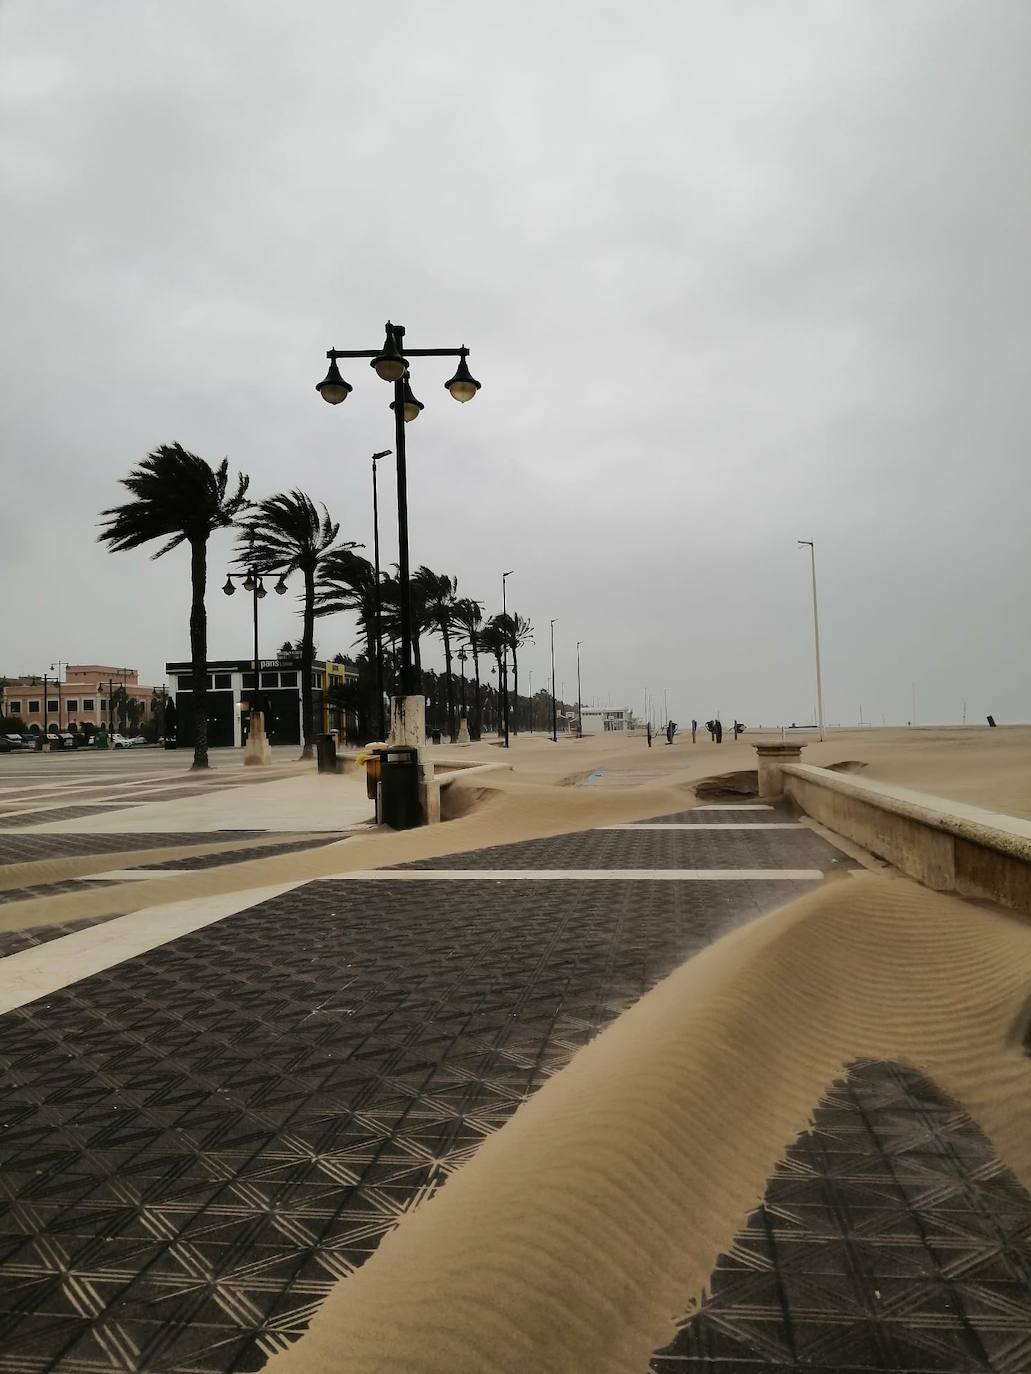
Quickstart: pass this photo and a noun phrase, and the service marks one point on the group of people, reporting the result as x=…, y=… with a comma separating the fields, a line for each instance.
x=714, y=727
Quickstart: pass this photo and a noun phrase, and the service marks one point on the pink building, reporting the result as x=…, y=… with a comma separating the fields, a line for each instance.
x=83, y=697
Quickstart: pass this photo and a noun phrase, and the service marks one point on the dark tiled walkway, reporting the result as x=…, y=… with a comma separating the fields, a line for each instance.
x=889, y=1239
x=196, y=1144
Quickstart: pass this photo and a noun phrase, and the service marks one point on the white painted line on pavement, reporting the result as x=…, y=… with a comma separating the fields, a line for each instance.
x=489, y=875
x=124, y=874
x=705, y=825
x=732, y=806
x=38, y=972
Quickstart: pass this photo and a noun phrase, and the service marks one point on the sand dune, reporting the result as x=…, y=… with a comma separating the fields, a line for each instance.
x=575, y=1234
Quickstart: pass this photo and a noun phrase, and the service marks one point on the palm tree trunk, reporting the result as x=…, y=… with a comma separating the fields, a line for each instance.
x=449, y=684
x=515, y=684
x=307, y=662
x=199, y=649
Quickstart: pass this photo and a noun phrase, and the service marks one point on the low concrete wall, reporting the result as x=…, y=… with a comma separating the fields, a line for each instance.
x=943, y=844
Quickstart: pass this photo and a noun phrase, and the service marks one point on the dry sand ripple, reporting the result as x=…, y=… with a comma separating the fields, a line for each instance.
x=575, y=1234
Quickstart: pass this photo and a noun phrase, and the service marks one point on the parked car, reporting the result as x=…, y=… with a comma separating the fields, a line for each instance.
x=126, y=741
x=62, y=740
x=13, y=744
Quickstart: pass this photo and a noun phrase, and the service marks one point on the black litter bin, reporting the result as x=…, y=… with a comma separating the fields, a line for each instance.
x=326, y=747
x=399, y=787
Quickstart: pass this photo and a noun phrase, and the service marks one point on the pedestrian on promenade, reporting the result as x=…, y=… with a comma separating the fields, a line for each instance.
x=694, y=732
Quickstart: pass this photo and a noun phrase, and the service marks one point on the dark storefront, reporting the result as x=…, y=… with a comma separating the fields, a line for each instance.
x=230, y=693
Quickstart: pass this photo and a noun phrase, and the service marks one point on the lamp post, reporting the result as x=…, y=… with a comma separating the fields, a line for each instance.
x=808, y=544
x=554, y=704
x=462, y=658
x=530, y=700
x=385, y=453
x=504, y=657
x=390, y=363
x=254, y=584
x=56, y=667
x=579, y=707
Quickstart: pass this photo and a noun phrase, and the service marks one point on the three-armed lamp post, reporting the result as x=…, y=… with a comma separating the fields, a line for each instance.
x=391, y=363
x=255, y=584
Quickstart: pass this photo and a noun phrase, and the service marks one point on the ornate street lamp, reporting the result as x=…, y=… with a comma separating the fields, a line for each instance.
x=391, y=363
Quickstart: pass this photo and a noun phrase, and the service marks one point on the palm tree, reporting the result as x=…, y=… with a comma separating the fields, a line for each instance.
x=435, y=593
x=469, y=619
x=494, y=639
x=288, y=534
x=347, y=582
x=520, y=633
x=180, y=498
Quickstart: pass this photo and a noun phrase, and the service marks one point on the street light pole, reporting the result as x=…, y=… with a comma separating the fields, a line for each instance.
x=255, y=584
x=579, y=704
x=808, y=543
x=61, y=663
x=554, y=703
x=504, y=656
x=379, y=622
x=530, y=700
x=390, y=363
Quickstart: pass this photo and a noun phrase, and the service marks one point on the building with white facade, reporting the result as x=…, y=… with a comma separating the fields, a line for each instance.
x=597, y=720
x=231, y=690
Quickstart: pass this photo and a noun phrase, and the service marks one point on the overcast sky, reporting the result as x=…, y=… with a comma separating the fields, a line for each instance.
x=731, y=274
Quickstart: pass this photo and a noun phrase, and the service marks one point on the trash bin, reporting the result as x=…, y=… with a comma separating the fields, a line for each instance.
x=372, y=762
x=326, y=748
x=436, y=736
x=399, y=787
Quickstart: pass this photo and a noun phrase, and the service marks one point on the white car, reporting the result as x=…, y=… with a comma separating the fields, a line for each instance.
x=121, y=742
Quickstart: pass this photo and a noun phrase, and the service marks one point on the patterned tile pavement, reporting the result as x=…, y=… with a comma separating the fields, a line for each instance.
x=633, y=848
x=890, y=1238
x=196, y=1144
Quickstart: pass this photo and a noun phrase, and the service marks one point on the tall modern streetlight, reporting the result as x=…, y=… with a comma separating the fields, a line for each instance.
x=554, y=703
x=808, y=544
x=385, y=453
x=254, y=584
x=390, y=363
x=504, y=656
x=530, y=700
x=579, y=705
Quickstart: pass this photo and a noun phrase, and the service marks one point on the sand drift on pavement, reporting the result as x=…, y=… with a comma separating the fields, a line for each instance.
x=578, y=1232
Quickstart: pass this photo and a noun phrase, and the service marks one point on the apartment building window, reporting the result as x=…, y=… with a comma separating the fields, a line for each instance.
x=14, y=707
x=87, y=704
x=72, y=704
x=53, y=706
x=33, y=708
x=103, y=703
